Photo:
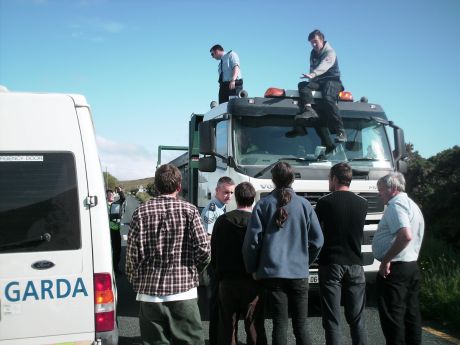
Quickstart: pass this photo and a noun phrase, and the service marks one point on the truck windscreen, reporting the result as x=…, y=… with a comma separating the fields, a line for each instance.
x=260, y=141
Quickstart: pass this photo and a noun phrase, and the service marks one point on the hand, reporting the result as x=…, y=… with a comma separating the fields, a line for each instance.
x=306, y=76
x=384, y=269
x=231, y=86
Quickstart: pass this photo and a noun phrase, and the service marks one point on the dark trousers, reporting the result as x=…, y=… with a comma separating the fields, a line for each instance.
x=225, y=92
x=398, y=303
x=335, y=282
x=175, y=322
x=115, y=238
x=213, y=300
x=330, y=91
x=283, y=294
x=241, y=297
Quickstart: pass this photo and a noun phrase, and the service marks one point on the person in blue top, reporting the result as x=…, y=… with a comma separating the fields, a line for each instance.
x=282, y=239
x=230, y=78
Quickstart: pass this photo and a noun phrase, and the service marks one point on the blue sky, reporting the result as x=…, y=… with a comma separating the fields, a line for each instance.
x=144, y=66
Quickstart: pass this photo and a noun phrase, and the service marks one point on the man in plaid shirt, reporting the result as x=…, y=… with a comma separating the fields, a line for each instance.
x=167, y=248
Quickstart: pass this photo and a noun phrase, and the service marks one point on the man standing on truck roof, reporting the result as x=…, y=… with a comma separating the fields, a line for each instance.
x=230, y=78
x=167, y=248
x=342, y=215
x=324, y=76
x=396, y=245
x=216, y=207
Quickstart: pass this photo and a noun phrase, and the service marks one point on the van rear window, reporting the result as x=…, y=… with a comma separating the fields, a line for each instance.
x=39, y=208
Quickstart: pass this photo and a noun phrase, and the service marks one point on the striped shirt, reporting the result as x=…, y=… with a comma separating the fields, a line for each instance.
x=167, y=247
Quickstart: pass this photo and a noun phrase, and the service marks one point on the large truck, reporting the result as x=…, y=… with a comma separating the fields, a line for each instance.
x=246, y=136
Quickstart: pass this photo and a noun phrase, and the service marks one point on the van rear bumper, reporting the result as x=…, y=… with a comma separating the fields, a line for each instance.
x=107, y=338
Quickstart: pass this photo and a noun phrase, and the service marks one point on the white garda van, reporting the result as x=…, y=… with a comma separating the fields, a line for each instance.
x=56, y=276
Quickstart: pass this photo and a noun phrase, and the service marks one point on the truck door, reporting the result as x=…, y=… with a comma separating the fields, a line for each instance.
x=46, y=274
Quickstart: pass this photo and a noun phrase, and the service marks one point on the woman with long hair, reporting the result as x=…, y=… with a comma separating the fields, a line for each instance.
x=282, y=239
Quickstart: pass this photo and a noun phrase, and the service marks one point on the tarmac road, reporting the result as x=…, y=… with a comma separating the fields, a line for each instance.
x=128, y=310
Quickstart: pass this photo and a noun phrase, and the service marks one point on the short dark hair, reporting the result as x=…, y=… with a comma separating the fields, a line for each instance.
x=167, y=179
x=314, y=33
x=216, y=47
x=245, y=194
x=343, y=173
x=225, y=180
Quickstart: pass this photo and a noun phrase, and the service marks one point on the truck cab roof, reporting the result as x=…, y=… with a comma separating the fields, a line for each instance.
x=288, y=105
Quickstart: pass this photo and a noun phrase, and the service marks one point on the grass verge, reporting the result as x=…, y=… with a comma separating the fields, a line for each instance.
x=440, y=290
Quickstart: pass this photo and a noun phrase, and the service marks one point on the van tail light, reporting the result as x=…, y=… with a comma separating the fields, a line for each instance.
x=104, y=307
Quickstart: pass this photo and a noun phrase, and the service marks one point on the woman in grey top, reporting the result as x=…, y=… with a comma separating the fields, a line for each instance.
x=282, y=239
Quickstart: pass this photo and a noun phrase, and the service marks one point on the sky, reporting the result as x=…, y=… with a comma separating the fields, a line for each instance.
x=145, y=67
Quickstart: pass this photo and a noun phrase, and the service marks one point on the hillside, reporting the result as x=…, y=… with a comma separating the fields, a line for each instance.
x=132, y=184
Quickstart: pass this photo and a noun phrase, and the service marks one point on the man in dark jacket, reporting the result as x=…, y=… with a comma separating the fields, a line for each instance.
x=238, y=293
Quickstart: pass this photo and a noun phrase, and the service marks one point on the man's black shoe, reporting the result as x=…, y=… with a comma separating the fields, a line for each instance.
x=341, y=137
x=296, y=131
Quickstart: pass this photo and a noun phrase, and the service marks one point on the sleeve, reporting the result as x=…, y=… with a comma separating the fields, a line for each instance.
x=253, y=240
x=132, y=249
x=234, y=60
x=209, y=218
x=398, y=217
x=315, y=237
x=327, y=61
x=215, y=241
x=200, y=242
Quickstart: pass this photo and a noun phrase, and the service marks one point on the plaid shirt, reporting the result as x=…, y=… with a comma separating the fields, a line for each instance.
x=167, y=247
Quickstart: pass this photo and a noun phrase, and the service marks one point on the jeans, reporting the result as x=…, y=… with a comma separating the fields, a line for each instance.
x=398, y=303
x=241, y=297
x=330, y=91
x=176, y=322
x=333, y=281
x=293, y=294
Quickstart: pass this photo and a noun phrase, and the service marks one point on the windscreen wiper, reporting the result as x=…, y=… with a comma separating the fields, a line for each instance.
x=46, y=237
x=364, y=159
x=296, y=159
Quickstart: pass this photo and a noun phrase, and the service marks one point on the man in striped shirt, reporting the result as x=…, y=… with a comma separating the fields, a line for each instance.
x=167, y=248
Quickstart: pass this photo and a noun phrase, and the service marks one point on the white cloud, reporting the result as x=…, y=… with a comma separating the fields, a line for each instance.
x=125, y=161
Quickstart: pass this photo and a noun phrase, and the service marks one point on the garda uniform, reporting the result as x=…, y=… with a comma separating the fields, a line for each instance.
x=211, y=212
x=209, y=215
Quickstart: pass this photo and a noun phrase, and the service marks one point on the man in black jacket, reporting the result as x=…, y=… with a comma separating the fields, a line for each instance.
x=342, y=215
x=238, y=293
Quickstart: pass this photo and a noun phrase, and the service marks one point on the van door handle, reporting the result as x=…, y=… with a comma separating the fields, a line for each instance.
x=42, y=265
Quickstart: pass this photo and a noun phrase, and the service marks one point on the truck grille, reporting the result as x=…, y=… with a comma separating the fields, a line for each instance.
x=374, y=201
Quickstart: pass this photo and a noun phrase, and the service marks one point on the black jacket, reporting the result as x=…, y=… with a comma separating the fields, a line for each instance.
x=226, y=243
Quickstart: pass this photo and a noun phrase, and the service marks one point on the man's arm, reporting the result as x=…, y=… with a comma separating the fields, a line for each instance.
x=235, y=65
x=236, y=71
x=403, y=237
x=253, y=240
x=315, y=238
x=132, y=249
x=201, y=248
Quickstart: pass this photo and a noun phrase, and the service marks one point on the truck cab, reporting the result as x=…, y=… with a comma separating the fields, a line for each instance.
x=245, y=137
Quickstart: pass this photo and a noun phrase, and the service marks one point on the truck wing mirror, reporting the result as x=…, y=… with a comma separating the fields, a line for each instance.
x=207, y=164
x=207, y=138
x=400, y=145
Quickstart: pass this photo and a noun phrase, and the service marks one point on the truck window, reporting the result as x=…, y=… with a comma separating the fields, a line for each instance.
x=38, y=196
x=262, y=140
x=222, y=142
